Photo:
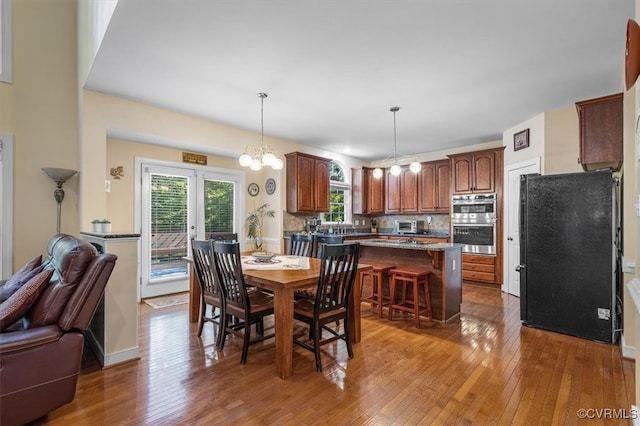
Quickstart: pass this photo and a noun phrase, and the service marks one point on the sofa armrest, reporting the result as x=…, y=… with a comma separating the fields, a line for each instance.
x=15, y=341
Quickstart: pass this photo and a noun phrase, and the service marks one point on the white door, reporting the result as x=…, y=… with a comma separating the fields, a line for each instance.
x=513, y=221
x=168, y=198
x=178, y=203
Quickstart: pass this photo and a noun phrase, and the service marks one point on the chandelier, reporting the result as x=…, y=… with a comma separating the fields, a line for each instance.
x=395, y=170
x=263, y=156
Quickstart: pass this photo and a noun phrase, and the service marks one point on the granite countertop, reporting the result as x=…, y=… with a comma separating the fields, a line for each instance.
x=430, y=234
x=409, y=245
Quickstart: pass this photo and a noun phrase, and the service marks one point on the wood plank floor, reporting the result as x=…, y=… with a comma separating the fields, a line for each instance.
x=483, y=368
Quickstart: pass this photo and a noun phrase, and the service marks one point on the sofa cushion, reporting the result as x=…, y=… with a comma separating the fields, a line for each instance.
x=12, y=309
x=23, y=275
x=69, y=259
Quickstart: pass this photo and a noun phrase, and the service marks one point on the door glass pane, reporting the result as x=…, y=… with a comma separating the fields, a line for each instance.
x=169, y=219
x=218, y=206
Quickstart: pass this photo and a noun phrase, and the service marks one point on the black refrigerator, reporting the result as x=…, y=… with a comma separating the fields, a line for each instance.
x=570, y=266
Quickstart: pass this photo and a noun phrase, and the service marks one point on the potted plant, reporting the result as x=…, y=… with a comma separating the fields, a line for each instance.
x=105, y=226
x=96, y=225
x=255, y=221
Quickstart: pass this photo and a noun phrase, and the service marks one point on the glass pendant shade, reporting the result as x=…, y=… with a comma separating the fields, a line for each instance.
x=395, y=170
x=415, y=167
x=377, y=173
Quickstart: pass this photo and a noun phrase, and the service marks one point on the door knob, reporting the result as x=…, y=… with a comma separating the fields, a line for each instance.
x=520, y=268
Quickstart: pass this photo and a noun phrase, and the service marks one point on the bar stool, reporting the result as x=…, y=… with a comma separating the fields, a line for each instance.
x=376, y=276
x=417, y=278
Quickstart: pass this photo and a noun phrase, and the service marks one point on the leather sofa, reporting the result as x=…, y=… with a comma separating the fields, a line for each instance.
x=39, y=365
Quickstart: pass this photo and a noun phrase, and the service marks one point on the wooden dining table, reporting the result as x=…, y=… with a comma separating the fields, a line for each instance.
x=283, y=283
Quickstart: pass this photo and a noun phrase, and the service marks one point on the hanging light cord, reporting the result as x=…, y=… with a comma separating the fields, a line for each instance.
x=395, y=143
x=262, y=96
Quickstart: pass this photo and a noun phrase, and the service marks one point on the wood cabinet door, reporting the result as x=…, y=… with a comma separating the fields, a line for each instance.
x=392, y=199
x=306, y=193
x=601, y=131
x=375, y=193
x=463, y=174
x=443, y=186
x=321, y=189
x=428, y=178
x=408, y=191
x=358, y=190
x=484, y=172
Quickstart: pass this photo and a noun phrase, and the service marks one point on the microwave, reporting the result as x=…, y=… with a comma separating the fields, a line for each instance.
x=409, y=226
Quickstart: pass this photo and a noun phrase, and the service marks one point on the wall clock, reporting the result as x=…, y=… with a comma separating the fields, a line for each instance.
x=253, y=189
x=270, y=186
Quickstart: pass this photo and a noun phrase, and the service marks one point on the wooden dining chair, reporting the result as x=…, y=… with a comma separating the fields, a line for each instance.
x=325, y=239
x=210, y=294
x=338, y=270
x=301, y=245
x=248, y=307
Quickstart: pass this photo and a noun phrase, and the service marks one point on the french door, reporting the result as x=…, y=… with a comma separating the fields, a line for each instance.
x=178, y=203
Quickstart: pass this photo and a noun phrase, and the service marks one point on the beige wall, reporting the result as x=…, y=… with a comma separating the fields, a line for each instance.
x=40, y=109
x=561, y=143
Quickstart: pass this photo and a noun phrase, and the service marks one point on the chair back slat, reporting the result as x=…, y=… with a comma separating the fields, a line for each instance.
x=203, y=265
x=228, y=265
x=338, y=272
x=321, y=240
x=301, y=245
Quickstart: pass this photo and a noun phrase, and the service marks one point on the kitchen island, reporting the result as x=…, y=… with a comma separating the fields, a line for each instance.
x=443, y=260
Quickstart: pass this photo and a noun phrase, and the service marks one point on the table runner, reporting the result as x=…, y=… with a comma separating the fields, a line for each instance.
x=280, y=262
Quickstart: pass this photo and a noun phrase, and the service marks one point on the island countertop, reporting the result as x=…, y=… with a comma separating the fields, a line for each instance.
x=408, y=244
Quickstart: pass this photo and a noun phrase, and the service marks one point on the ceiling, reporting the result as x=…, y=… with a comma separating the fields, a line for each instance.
x=461, y=71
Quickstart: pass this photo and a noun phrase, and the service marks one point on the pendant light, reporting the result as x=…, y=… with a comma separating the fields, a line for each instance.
x=395, y=170
x=263, y=156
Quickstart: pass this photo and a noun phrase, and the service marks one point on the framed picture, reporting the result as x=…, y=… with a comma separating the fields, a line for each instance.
x=270, y=186
x=253, y=189
x=521, y=140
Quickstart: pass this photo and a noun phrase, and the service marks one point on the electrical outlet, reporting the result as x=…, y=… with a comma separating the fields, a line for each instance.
x=357, y=222
x=453, y=265
x=107, y=185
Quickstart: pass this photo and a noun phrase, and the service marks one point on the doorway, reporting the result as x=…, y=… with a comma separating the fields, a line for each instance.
x=176, y=203
x=512, y=194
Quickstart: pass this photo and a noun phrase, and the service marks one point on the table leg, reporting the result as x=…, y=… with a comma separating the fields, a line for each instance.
x=354, y=313
x=194, y=295
x=283, y=317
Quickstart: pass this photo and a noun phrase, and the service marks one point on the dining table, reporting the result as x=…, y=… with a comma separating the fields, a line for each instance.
x=283, y=283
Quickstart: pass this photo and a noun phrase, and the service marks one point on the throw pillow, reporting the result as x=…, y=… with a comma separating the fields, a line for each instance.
x=23, y=275
x=19, y=303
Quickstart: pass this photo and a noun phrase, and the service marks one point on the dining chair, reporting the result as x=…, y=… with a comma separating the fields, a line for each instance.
x=210, y=293
x=248, y=307
x=338, y=270
x=301, y=245
x=325, y=239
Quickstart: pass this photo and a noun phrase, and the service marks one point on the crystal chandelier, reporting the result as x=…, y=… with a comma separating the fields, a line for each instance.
x=395, y=170
x=263, y=156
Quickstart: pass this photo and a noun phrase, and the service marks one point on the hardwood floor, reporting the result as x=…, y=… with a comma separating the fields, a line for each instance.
x=483, y=368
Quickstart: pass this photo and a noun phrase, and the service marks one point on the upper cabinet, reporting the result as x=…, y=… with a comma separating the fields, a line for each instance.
x=307, y=183
x=475, y=171
x=601, y=141
x=435, y=191
x=402, y=192
x=367, y=191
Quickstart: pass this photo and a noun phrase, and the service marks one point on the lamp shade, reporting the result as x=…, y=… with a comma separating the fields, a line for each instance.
x=59, y=175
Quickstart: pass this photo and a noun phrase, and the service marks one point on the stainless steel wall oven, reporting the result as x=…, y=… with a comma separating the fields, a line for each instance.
x=473, y=222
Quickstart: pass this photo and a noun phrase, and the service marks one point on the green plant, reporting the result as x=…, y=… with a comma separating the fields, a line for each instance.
x=104, y=221
x=94, y=221
x=255, y=222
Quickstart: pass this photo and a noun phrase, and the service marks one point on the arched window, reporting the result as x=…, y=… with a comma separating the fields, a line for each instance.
x=339, y=197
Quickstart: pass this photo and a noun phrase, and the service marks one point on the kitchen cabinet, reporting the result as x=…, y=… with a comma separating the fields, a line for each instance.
x=307, y=183
x=435, y=191
x=477, y=267
x=600, y=126
x=401, y=193
x=477, y=172
x=367, y=192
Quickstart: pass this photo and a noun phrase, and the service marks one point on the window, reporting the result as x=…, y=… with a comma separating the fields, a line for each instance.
x=339, y=197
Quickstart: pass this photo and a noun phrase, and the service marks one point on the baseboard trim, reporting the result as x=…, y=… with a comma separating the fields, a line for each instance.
x=627, y=351
x=115, y=358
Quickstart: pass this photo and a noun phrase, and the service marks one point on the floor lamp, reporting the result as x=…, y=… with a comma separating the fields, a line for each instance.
x=59, y=176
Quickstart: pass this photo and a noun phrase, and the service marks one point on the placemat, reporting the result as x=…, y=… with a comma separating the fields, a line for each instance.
x=279, y=262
